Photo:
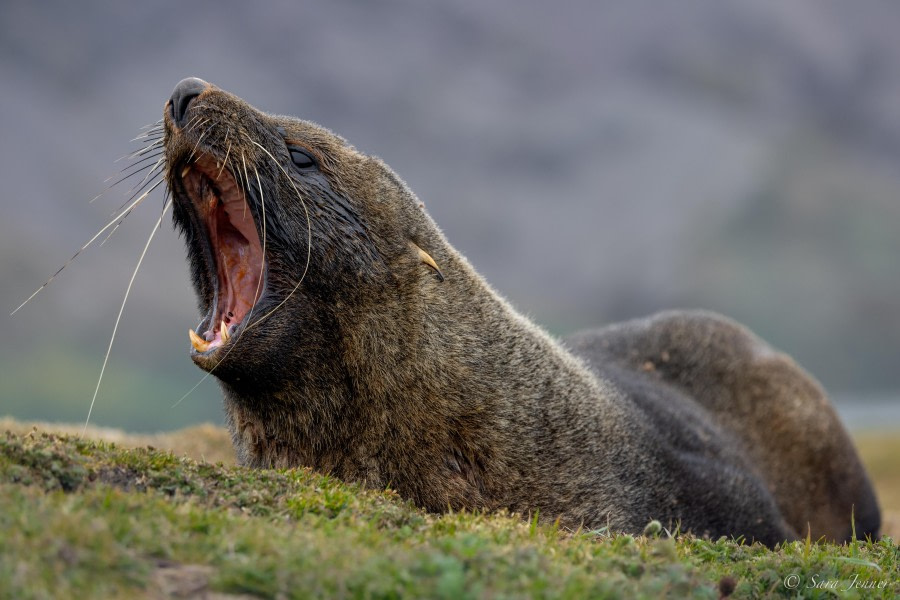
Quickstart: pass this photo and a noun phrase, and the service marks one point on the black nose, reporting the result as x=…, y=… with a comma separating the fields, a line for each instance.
x=185, y=91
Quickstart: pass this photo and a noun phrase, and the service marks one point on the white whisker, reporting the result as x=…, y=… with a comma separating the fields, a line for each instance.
x=138, y=187
x=122, y=310
x=129, y=176
x=148, y=135
x=308, y=242
x=194, y=121
x=88, y=243
x=122, y=218
x=159, y=152
x=227, y=152
x=197, y=145
x=247, y=181
x=140, y=152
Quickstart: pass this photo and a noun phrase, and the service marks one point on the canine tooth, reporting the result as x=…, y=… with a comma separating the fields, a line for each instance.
x=223, y=329
x=199, y=344
x=185, y=171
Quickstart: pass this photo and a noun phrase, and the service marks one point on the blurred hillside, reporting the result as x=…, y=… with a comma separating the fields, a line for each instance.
x=595, y=163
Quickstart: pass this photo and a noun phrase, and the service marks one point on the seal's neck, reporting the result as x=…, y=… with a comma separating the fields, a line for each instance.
x=459, y=380
x=445, y=373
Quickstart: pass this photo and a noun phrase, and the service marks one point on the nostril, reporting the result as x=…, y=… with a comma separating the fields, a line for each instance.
x=184, y=93
x=182, y=105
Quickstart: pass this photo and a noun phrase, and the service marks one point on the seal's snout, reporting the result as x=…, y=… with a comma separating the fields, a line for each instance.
x=186, y=90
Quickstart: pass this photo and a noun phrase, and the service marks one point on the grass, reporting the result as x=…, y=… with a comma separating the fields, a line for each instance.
x=89, y=518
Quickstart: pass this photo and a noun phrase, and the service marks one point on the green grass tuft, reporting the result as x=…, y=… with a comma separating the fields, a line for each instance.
x=89, y=519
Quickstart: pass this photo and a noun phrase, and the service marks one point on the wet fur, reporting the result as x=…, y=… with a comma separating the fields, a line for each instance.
x=375, y=370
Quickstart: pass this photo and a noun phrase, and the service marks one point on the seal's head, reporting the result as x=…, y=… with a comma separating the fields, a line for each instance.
x=294, y=238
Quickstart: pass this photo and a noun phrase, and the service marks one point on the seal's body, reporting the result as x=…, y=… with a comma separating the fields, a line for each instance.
x=349, y=336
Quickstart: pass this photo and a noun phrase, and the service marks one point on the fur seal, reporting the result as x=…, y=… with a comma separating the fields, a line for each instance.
x=349, y=336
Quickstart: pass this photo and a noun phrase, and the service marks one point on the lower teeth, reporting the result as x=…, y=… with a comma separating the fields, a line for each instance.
x=199, y=344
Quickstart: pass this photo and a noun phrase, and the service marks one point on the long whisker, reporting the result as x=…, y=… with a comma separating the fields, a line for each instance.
x=123, y=216
x=152, y=173
x=262, y=203
x=227, y=152
x=241, y=176
x=196, y=123
x=113, y=230
x=247, y=180
x=88, y=243
x=160, y=158
x=148, y=135
x=148, y=152
x=130, y=175
x=140, y=152
x=149, y=178
x=308, y=241
x=140, y=161
x=150, y=131
x=122, y=310
x=139, y=187
x=197, y=145
x=156, y=140
x=156, y=123
x=193, y=120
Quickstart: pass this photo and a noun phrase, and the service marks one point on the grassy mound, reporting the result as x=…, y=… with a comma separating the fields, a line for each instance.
x=87, y=518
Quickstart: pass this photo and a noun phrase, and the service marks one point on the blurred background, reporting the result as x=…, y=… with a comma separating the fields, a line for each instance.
x=596, y=161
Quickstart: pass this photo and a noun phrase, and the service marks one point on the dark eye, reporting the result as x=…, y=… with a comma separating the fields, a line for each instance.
x=301, y=158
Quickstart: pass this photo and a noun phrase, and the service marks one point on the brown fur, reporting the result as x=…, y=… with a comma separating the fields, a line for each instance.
x=376, y=370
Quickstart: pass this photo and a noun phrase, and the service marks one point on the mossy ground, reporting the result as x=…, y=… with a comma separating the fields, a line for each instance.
x=88, y=518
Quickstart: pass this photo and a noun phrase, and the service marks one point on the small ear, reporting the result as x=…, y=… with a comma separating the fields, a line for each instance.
x=426, y=258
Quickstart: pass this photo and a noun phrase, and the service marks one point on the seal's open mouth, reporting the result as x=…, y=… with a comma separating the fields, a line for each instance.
x=233, y=245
